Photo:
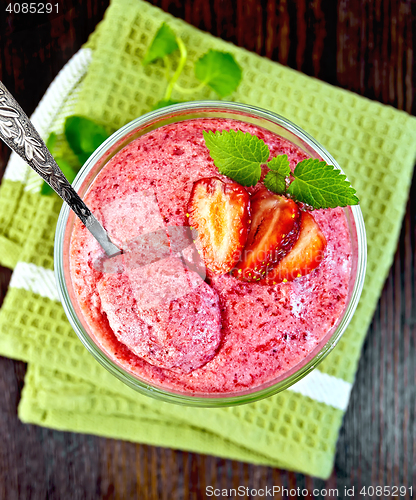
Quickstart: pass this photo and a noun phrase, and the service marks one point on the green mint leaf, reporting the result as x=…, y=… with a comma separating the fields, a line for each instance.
x=69, y=172
x=275, y=182
x=219, y=71
x=163, y=103
x=46, y=190
x=280, y=164
x=163, y=44
x=321, y=185
x=84, y=136
x=238, y=155
x=51, y=142
x=275, y=179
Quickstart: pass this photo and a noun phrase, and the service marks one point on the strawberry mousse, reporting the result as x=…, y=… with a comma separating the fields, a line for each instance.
x=220, y=288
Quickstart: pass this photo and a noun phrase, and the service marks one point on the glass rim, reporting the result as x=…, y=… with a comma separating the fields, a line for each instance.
x=216, y=400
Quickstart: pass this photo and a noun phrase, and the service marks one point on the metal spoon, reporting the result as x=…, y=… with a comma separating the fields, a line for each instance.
x=18, y=132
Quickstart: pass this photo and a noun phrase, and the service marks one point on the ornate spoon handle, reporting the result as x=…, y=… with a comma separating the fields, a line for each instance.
x=18, y=132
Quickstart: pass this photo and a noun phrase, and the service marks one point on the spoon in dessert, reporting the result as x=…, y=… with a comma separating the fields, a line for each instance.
x=19, y=133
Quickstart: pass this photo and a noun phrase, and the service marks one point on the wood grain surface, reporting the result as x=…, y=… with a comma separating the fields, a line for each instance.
x=366, y=46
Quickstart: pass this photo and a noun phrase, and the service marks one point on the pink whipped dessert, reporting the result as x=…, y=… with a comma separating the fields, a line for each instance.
x=163, y=316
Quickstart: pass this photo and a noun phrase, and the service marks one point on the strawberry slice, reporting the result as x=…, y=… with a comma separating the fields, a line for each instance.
x=274, y=229
x=220, y=213
x=305, y=256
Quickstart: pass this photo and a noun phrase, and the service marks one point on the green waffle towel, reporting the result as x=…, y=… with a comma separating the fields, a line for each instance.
x=65, y=388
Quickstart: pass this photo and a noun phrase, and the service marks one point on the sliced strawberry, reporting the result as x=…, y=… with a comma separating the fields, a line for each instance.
x=274, y=229
x=220, y=213
x=305, y=256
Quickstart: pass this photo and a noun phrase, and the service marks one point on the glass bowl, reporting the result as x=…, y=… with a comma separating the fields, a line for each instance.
x=178, y=113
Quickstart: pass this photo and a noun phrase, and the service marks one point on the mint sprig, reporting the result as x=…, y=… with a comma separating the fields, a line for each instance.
x=237, y=155
x=84, y=136
x=81, y=138
x=219, y=71
x=240, y=155
x=215, y=69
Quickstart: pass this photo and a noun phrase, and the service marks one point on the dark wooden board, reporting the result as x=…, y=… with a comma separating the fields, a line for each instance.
x=364, y=46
